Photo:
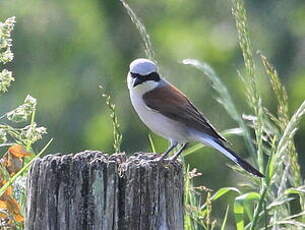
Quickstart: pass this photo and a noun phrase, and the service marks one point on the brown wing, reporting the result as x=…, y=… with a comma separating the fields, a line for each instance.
x=173, y=104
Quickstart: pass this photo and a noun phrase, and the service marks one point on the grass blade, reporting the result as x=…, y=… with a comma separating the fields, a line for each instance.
x=287, y=136
x=223, y=226
x=239, y=207
x=151, y=143
x=222, y=191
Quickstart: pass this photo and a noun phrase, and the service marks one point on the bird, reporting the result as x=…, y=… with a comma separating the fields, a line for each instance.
x=169, y=113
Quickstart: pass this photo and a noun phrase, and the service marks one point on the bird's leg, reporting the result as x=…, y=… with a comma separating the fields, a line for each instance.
x=176, y=155
x=173, y=145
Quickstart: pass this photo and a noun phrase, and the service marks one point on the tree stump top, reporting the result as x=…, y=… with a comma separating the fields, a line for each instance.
x=93, y=190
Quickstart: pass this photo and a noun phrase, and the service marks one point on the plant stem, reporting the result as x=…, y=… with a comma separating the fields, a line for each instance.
x=258, y=208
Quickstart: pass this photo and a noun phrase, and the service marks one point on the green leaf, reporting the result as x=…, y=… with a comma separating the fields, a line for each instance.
x=239, y=207
x=221, y=192
x=299, y=190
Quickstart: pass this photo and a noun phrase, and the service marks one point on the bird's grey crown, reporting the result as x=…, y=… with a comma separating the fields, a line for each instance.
x=142, y=66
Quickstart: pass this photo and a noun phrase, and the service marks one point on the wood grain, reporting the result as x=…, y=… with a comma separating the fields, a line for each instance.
x=92, y=190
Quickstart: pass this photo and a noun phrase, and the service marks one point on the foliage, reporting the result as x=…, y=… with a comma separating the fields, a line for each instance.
x=198, y=213
x=94, y=39
x=274, y=139
x=267, y=202
x=20, y=139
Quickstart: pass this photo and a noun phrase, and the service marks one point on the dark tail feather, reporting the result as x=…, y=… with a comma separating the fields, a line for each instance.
x=242, y=163
x=245, y=165
x=217, y=144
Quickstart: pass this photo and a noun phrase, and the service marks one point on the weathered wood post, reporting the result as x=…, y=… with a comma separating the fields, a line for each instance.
x=92, y=190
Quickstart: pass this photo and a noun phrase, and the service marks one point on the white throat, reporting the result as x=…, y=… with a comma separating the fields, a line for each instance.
x=143, y=87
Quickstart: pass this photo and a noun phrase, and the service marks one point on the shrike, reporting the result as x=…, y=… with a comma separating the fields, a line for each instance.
x=169, y=113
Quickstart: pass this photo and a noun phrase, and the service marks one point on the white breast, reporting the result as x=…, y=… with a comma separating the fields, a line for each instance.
x=157, y=122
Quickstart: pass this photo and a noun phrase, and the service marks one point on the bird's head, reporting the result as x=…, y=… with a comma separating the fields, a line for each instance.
x=143, y=75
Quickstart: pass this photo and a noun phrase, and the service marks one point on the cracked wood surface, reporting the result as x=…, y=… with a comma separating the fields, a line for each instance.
x=92, y=190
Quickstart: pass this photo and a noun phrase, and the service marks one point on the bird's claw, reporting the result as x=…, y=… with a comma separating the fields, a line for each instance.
x=160, y=158
x=173, y=158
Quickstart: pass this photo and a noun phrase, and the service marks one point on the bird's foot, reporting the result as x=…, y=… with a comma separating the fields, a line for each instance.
x=177, y=154
x=160, y=158
x=173, y=158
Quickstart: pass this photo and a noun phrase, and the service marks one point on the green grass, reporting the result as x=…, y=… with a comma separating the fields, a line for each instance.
x=17, y=126
x=266, y=203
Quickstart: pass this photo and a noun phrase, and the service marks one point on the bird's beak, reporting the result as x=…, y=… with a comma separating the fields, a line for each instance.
x=137, y=81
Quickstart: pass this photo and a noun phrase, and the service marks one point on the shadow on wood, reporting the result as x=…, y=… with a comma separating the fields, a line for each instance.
x=92, y=190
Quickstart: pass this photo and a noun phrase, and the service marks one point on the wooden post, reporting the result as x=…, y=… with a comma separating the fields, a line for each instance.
x=94, y=191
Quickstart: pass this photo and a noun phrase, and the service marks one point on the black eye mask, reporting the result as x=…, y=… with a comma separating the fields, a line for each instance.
x=154, y=76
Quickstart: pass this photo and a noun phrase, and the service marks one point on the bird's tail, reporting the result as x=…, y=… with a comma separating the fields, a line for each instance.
x=230, y=154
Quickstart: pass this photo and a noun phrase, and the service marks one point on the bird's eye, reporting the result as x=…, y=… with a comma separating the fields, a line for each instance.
x=152, y=76
x=134, y=75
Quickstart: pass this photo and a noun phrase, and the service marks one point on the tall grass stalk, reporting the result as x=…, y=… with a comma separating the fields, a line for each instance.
x=142, y=31
x=117, y=134
x=254, y=99
x=283, y=118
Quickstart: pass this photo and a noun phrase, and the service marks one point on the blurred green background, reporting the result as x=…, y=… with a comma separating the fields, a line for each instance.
x=65, y=49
